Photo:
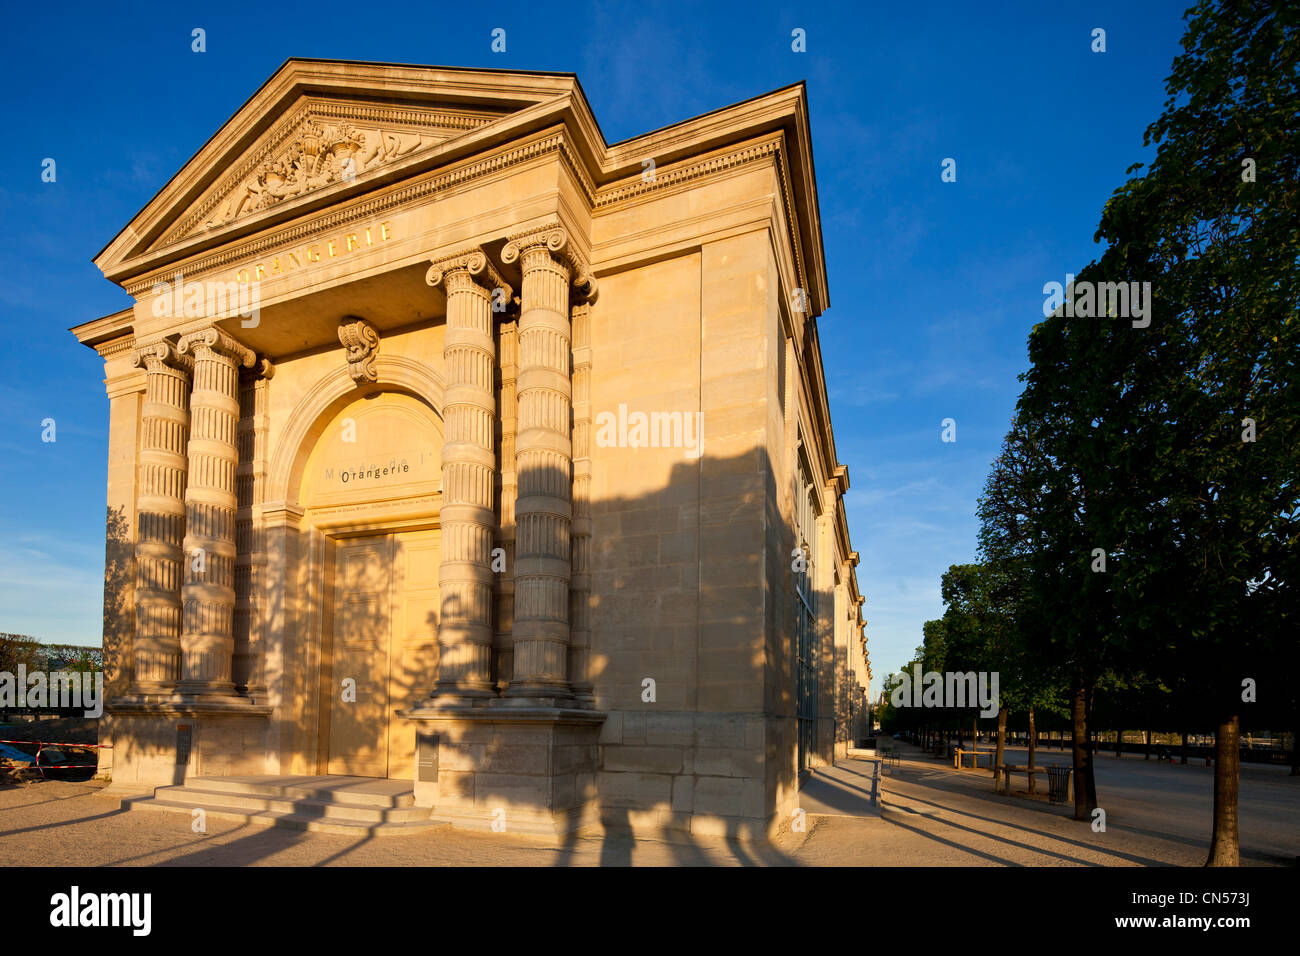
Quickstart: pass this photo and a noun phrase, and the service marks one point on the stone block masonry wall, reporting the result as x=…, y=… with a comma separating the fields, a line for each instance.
x=678, y=573
x=494, y=774
x=681, y=770
x=146, y=752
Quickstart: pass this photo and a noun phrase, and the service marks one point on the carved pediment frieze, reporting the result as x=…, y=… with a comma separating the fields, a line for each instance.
x=320, y=144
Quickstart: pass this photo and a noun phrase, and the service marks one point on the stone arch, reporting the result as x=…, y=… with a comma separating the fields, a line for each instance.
x=324, y=399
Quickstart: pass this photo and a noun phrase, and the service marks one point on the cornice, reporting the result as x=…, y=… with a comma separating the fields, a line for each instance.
x=114, y=347
x=550, y=107
x=105, y=329
x=773, y=149
x=499, y=93
x=686, y=172
x=359, y=210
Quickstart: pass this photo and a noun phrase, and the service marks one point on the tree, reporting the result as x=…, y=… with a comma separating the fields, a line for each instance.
x=1015, y=541
x=16, y=649
x=1214, y=225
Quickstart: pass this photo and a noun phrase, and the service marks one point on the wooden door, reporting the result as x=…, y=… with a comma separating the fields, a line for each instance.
x=414, y=668
x=362, y=646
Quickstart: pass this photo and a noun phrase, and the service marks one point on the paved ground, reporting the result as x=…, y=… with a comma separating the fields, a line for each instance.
x=933, y=816
x=1156, y=814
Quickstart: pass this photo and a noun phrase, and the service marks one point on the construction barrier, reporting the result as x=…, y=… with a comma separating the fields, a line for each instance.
x=42, y=744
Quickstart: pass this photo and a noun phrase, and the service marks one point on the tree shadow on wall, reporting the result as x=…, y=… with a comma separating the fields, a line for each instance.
x=691, y=582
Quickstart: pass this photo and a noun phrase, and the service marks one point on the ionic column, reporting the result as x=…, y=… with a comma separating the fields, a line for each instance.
x=161, y=529
x=207, y=641
x=468, y=476
x=544, y=468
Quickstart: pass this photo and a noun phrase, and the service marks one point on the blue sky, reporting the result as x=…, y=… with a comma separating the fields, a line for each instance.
x=934, y=286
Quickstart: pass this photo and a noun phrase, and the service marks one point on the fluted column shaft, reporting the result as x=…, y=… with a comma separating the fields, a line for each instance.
x=468, y=478
x=544, y=471
x=207, y=641
x=161, y=529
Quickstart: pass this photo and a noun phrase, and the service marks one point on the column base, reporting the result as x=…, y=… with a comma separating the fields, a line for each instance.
x=210, y=692
x=514, y=769
x=181, y=705
x=458, y=691
x=151, y=690
x=538, y=690
x=535, y=699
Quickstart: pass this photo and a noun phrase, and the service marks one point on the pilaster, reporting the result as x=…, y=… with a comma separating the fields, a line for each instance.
x=507, y=425
x=250, y=546
x=580, y=533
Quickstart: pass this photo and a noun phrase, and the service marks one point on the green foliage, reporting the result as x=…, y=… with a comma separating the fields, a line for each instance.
x=16, y=649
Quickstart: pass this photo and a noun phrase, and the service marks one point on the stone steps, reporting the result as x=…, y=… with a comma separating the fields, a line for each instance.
x=370, y=791
x=346, y=805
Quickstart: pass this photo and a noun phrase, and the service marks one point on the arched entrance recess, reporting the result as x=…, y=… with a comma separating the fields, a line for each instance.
x=360, y=476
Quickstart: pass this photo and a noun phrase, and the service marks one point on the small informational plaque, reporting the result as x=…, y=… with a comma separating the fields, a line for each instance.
x=184, y=738
x=426, y=755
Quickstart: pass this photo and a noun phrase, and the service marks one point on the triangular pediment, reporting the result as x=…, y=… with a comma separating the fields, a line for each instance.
x=320, y=131
x=321, y=143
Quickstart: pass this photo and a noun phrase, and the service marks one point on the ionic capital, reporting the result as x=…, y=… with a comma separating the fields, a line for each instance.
x=474, y=262
x=555, y=239
x=159, y=355
x=216, y=341
x=361, y=345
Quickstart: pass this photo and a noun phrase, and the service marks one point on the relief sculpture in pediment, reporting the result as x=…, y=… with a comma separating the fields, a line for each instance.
x=318, y=156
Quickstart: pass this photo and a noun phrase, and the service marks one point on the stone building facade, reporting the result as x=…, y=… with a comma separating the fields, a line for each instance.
x=451, y=444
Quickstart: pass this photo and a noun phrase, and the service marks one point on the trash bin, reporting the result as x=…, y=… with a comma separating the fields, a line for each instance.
x=1058, y=779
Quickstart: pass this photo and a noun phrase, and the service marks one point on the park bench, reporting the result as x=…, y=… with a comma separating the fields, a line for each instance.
x=1058, y=779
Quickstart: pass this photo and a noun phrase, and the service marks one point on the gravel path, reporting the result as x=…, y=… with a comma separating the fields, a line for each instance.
x=933, y=816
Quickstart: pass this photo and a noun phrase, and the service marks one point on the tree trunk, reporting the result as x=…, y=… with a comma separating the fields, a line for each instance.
x=1223, y=841
x=1148, y=754
x=1295, y=754
x=1183, y=751
x=1085, y=786
x=1119, y=744
x=1033, y=745
x=1002, y=743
